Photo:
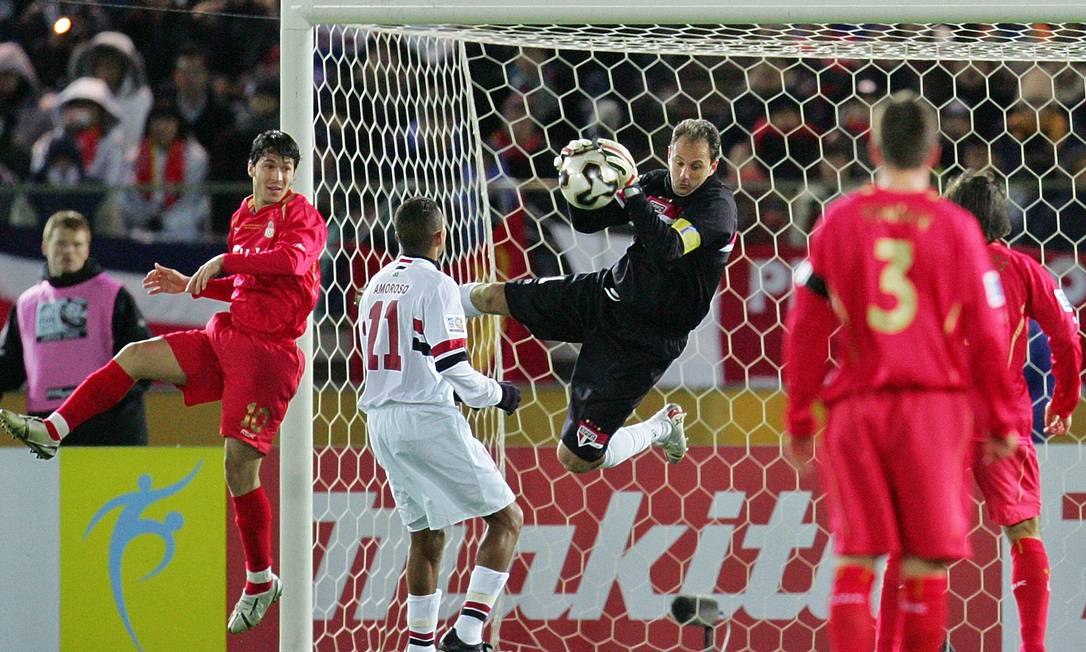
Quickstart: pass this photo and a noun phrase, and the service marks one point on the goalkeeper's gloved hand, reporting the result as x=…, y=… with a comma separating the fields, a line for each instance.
x=620, y=160
x=575, y=146
x=510, y=400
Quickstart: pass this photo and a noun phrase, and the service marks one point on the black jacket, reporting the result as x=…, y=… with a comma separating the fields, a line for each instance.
x=660, y=277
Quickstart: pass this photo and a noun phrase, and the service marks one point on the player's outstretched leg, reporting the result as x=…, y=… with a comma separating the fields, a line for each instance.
x=663, y=430
x=486, y=583
x=150, y=359
x=32, y=432
x=479, y=299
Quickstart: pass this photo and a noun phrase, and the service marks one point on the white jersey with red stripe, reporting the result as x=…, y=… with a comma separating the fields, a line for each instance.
x=414, y=340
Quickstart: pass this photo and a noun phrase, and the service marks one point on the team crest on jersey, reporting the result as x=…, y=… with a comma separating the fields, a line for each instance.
x=269, y=230
x=455, y=324
x=587, y=435
x=665, y=210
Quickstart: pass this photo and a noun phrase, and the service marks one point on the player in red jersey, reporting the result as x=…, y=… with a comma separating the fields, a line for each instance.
x=1011, y=486
x=246, y=357
x=906, y=276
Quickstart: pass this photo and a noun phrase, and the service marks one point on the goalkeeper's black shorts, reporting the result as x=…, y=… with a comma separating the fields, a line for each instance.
x=622, y=354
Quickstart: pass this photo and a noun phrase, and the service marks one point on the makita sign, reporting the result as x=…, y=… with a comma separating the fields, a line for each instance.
x=601, y=557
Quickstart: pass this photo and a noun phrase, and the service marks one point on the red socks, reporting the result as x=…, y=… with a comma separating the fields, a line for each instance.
x=888, y=603
x=253, y=516
x=1029, y=577
x=851, y=627
x=100, y=391
x=923, y=609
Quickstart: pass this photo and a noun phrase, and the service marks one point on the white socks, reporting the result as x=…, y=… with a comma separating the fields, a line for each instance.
x=628, y=441
x=60, y=424
x=465, y=300
x=422, y=621
x=483, y=589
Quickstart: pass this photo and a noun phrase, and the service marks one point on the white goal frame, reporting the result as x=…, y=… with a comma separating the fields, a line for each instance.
x=298, y=18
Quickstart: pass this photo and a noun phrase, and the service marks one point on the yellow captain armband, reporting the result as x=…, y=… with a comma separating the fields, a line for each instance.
x=689, y=234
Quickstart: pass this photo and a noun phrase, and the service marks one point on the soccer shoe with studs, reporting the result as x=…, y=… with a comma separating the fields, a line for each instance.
x=250, y=609
x=674, y=442
x=31, y=431
x=452, y=643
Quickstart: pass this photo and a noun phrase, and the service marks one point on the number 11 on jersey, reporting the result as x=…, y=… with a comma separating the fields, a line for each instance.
x=391, y=359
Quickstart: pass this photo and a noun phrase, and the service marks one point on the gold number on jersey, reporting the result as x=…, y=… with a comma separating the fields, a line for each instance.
x=898, y=255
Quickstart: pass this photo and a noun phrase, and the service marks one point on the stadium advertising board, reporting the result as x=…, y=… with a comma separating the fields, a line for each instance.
x=601, y=557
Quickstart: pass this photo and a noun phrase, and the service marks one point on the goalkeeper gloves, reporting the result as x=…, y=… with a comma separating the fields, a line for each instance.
x=620, y=160
x=510, y=400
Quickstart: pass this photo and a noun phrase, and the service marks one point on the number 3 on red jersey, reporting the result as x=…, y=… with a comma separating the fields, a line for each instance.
x=898, y=255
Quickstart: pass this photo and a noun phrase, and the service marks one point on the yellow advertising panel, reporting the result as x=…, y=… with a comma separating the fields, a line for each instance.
x=142, y=549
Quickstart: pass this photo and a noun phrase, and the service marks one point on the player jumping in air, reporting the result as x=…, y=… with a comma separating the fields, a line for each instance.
x=246, y=357
x=416, y=361
x=1011, y=487
x=907, y=277
x=633, y=319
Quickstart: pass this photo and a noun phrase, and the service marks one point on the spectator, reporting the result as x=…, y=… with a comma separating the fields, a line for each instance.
x=86, y=130
x=261, y=113
x=68, y=325
x=111, y=57
x=166, y=158
x=784, y=144
x=22, y=120
x=190, y=91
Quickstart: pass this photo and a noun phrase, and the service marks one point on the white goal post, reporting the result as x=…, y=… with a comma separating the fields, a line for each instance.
x=515, y=21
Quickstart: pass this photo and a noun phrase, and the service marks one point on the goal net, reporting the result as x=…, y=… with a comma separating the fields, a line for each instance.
x=472, y=117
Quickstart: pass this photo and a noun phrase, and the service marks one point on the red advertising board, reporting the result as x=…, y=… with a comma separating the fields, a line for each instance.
x=601, y=557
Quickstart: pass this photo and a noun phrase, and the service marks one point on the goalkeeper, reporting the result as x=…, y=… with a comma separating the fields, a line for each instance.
x=633, y=318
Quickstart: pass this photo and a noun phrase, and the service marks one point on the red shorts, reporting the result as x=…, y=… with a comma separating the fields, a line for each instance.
x=894, y=474
x=254, y=376
x=1011, y=486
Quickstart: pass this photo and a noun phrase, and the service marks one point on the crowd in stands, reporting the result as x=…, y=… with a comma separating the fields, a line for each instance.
x=147, y=102
x=135, y=106
x=795, y=132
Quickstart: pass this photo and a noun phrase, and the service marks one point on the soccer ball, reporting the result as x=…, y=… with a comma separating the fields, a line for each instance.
x=587, y=181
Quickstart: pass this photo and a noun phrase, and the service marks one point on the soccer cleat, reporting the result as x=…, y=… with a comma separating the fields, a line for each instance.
x=250, y=609
x=452, y=643
x=31, y=431
x=674, y=442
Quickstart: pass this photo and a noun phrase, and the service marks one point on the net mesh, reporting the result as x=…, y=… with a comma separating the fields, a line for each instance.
x=472, y=116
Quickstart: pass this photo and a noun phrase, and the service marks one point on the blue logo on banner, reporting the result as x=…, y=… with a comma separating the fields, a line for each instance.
x=130, y=525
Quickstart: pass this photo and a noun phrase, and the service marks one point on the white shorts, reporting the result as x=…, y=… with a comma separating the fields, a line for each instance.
x=440, y=474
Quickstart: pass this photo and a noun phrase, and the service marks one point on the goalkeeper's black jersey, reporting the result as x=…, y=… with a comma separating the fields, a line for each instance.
x=670, y=273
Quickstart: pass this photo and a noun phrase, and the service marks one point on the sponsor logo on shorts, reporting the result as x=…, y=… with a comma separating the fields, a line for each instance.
x=589, y=436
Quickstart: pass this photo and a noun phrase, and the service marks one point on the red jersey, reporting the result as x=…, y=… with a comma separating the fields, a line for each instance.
x=1033, y=294
x=273, y=276
x=909, y=279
